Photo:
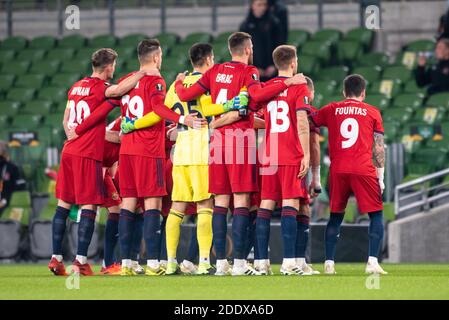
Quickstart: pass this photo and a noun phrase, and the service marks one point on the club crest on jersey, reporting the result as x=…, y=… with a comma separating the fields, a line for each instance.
x=159, y=87
x=255, y=77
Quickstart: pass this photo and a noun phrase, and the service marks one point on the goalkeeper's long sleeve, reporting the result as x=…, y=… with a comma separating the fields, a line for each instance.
x=148, y=120
x=159, y=108
x=210, y=109
x=97, y=116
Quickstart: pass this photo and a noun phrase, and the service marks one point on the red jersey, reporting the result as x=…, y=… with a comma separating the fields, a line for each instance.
x=351, y=126
x=83, y=98
x=281, y=125
x=148, y=142
x=111, y=149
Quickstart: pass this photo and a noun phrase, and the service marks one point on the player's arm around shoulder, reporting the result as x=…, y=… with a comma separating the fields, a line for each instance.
x=118, y=90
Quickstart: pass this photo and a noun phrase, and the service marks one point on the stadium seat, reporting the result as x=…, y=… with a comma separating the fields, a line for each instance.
x=411, y=87
x=329, y=35
x=14, y=43
x=430, y=115
x=326, y=88
x=102, y=41
x=169, y=77
x=55, y=94
x=74, y=41
x=126, y=53
x=9, y=108
x=222, y=37
x=47, y=67
x=21, y=94
x=132, y=40
x=16, y=67
x=65, y=79
x=42, y=42
x=408, y=100
x=34, y=81
x=84, y=54
x=10, y=235
x=363, y=36
x=397, y=115
x=7, y=55
x=337, y=73
x=309, y=65
x=298, y=37
x=44, y=136
x=397, y=72
x=380, y=101
x=390, y=88
x=408, y=59
x=430, y=155
x=19, y=208
x=373, y=59
x=391, y=130
x=31, y=55
x=221, y=53
x=420, y=45
x=53, y=120
x=168, y=39
x=76, y=66
x=4, y=120
x=348, y=52
x=26, y=121
x=438, y=100
x=196, y=37
x=319, y=49
x=39, y=107
x=371, y=73
x=60, y=54
x=6, y=81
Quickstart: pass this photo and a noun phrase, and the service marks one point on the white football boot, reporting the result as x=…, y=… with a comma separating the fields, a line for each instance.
x=329, y=267
x=223, y=268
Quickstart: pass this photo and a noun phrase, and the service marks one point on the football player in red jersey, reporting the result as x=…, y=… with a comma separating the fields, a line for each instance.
x=285, y=162
x=355, y=135
x=232, y=165
x=142, y=158
x=80, y=179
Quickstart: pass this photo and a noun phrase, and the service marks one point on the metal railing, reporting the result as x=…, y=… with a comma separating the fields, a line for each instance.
x=422, y=194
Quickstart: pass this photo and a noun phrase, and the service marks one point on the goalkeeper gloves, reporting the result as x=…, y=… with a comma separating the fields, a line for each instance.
x=380, y=177
x=237, y=103
x=127, y=125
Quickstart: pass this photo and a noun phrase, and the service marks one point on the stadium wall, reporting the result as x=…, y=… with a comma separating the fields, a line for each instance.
x=423, y=237
x=402, y=21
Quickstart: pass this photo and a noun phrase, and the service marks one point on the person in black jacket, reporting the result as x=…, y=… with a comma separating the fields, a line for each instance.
x=265, y=31
x=280, y=11
x=437, y=75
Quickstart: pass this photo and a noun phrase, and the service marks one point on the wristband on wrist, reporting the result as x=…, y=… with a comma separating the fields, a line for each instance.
x=380, y=173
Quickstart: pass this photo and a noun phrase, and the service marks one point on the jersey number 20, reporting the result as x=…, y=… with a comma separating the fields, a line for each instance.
x=349, y=129
x=78, y=112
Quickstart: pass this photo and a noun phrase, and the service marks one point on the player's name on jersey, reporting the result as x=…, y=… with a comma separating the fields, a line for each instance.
x=80, y=91
x=351, y=111
x=224, y=78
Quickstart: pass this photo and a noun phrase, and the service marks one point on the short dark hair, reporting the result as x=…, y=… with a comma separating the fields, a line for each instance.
x=283, y=56
x=199, y=53
x=310, y=84
x=237, y=41
x=354, y=85
x=103, y=57
x=146, y=48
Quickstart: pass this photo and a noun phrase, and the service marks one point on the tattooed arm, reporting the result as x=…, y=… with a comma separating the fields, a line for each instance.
x=304, y=139
x=379, y=158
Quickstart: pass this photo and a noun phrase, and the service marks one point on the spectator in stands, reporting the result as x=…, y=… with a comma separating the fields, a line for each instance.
x=10, y=177
x=280, y=11
x=437, y=75
x=265, y=30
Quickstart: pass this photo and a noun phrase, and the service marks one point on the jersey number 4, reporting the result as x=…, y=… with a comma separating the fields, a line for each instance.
x=278, y=116
x=349, y=129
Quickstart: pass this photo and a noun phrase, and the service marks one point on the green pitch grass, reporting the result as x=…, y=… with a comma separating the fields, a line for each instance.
x=404, y=281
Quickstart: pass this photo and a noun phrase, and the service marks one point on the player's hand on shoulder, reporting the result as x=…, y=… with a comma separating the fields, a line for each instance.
x=191, y=120
x=298, y=78
x=181, y=76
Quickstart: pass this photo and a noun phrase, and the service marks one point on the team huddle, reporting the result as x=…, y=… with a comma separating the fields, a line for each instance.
x=194, y=150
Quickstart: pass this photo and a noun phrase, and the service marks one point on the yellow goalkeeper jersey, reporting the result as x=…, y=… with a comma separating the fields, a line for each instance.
x=192, y=145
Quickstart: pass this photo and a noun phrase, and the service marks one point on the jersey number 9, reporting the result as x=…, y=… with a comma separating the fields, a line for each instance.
x=349, y=129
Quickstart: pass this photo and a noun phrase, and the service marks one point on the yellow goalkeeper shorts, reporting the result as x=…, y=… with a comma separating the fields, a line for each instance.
x=190, y=183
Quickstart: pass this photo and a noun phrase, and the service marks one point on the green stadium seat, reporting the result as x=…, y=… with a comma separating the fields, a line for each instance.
x=19, y=208
x=298, y=37
x=329, y=35
x=337, y=73
x=76, y=66
x=31, y=55
x=132, y=40
x=55, y=94
x=6, y=81
x=7, y=55
x=442, y=144
x=9, y=108
x=320, y=49
x=14, y=43
x=430, y=155
x=65, y=79
x=412, y=87
x=16, y=67
x=371, y=74
x=363, y=36
x=221, y=53
x=408, y=59
x=40, y=107
x=430, y=115
x=126, y=53
x=175, y=64
x=60, y=54
x=196, y=37
x=391, y=131
x=169, y=77
x=397, y=72
x=326, y=88
x=380, y=101
x=44, y=136
x=420, y=45
x=438, y=100
x=84, y=54
x=408, y=100
x=348, y=52
x=309, y=65
x=390, y=88
x=46, y=67
x=43, y=42
x=26, y=121
x=35, y=81
x=397, y=115
x=21, y=94
x=223, y=37
x=328, y=99
x=373, y=59
x=4, y=120
x=167, y=39
x=53, y=120
x=102, y=41
x=74, y=41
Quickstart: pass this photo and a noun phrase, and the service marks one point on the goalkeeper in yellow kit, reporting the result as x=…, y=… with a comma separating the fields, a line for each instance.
x=190, y=160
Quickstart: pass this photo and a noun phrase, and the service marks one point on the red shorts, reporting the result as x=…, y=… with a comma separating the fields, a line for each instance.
x=80, y=180
x=141, y=177
x=284, y=184
x=112, y=197
x=233, y=178
x=365, y=188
